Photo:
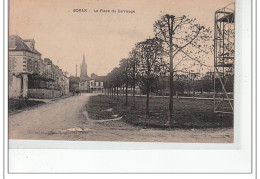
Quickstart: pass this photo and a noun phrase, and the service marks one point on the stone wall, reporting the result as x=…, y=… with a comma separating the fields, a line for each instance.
x=14, y=85
x=44, y=93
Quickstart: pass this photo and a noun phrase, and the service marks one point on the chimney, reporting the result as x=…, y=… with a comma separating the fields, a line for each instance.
x=30, y=43
x=76, y=70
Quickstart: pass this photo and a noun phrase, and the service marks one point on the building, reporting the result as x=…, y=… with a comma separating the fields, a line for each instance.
x=23, y=59
x=84, y=83
x=74, y=82
x=84, y=79
x=97, y=84
x=65, y=85
x=83, y=69
x=31, y=76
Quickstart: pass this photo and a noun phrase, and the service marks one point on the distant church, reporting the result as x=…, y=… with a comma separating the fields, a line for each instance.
x=92, y=84
x=83, y=70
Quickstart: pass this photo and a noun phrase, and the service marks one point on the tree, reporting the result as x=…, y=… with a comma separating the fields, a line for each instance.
x=109, y=84
x=150, y=53
x=207, y=82
x=133, y=64
x=124, y=68
x=183, y=41
x=115, y=81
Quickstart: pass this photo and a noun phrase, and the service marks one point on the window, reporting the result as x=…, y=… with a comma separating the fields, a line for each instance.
x=35, y=66
x=29, y=66
x=12, y=63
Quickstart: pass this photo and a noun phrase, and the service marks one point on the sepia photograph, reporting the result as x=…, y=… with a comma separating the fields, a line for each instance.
x=121, y=71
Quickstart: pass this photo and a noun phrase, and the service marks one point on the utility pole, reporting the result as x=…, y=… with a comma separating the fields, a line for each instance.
x=76, y=70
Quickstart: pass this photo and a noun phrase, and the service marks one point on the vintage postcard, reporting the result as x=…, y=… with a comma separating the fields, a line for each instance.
x=124, y=71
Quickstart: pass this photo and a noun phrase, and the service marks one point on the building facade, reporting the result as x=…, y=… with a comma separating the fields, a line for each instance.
x=84, y=83
x=23, y=59
x=29, y=75
x=83, y=69
x=84, y=79
x=97, y=84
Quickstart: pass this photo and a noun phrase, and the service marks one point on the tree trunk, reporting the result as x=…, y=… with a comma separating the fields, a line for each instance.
x=193, y=89
x=170, y=117
x=171, y=90
x=117, y=93
x=147, y=98
x=134, y=92
x=114, y=93
x=126, y=94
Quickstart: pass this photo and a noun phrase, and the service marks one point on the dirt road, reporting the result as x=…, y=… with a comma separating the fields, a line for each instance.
x=67, y=119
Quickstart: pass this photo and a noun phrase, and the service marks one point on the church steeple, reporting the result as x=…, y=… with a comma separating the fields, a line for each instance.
x=83, y=60
x=83, y=69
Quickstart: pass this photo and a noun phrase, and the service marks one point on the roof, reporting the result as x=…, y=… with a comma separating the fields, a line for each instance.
x=74, y=79
x=16, y=43
x=100, y=78
x=65, y=76
x=83, y=80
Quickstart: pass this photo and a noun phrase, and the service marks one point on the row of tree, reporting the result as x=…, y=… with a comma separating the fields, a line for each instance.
x=179, y=44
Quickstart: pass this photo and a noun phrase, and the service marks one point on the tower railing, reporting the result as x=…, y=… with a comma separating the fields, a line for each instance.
x=224, y=50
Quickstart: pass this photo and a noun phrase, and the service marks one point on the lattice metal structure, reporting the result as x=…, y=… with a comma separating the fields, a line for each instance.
x=224, y=56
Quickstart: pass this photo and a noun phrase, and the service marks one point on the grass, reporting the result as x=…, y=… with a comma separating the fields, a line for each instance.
x=188, y=113
x=16, y=105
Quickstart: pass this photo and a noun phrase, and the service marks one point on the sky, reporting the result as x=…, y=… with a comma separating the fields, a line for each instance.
x=104, y=38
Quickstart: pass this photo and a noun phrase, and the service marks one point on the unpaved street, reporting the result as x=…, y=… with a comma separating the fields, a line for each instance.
x=67, y=119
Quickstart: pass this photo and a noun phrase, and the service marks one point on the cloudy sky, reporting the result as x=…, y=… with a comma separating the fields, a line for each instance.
x=64, y=36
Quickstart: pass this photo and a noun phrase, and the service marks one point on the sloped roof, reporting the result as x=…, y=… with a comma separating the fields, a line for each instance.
x=16, y=43
x=100, y=78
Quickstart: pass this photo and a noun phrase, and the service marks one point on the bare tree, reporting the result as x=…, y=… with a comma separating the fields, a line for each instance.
x=185, y=43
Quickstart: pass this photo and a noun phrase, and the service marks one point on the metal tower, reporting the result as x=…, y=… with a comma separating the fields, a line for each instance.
x=224, y=52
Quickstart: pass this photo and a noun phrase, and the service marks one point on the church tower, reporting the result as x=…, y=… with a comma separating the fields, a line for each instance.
x=83, y=69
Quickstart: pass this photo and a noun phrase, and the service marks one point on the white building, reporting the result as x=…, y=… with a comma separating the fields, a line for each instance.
x=97, y=84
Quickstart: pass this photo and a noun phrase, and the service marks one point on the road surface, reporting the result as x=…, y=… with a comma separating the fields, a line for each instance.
x=67, y=119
